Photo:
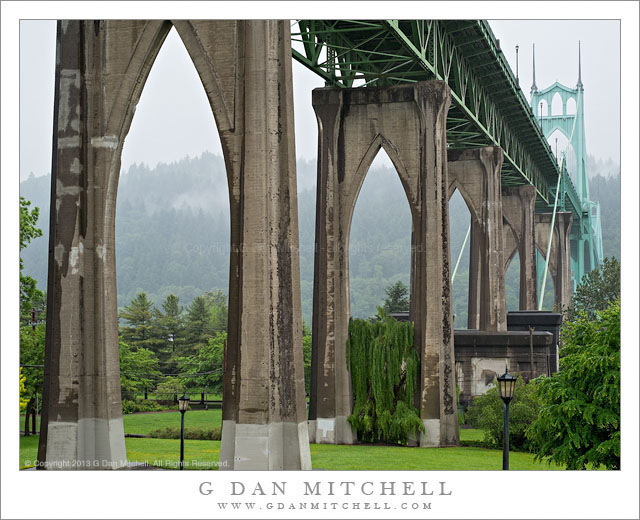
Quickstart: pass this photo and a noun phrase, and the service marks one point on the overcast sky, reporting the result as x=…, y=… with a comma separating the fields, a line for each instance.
x=173, y=118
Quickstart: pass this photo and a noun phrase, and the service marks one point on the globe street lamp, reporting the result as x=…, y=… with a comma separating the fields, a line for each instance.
x=506, y=386
x=183, y=406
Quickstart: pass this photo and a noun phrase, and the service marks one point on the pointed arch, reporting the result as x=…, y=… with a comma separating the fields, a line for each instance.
x=543, y=108
x=571, y=106
x=391, y=262
x=557, y=105
x=378, y=142
x=456, y=185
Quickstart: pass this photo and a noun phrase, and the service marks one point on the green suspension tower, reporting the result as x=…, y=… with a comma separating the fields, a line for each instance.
x=586, y=235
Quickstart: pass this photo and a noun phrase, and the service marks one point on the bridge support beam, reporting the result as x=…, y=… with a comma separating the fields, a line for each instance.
x=518, y=210
x=245, y=67
x=476, y=173
x=560, y=255
x=409, y=123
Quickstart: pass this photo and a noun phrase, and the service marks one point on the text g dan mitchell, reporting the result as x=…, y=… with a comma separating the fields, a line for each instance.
x=327, y=488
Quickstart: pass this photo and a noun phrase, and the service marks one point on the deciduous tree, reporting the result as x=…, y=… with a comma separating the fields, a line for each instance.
x=579, y=422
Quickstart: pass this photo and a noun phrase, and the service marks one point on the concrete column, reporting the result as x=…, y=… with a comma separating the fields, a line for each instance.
x=409, y=123
x=264, y=410
x=82, y=412
x=245, y=68
x=331, y=399
x=560, y=256
x=518, y=210
x=477, y=174
x=432, y=312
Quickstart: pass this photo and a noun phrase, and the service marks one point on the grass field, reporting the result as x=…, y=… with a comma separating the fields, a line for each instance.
x=204, y=454
x=143, y=423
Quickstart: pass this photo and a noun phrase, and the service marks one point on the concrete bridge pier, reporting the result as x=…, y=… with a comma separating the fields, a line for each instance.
x=518, y=211
x=409, y=123
x=476, y=173
x=560, y=256
x=245, y=67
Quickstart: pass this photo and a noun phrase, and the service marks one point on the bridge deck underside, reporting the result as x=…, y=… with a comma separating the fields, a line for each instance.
x=488, y=107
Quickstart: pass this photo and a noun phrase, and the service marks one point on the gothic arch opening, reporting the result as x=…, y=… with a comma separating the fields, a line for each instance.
x=460, y=240
x=379, y=239
x=173, y=226
x=556, y=105
x=549, y=300
x=512, y=282
x=543, y=108
x=571, y=106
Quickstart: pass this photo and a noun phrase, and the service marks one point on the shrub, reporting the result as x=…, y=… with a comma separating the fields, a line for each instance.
x=140, y=405
x=173, y=432
x=486, y=413
x=579, y=422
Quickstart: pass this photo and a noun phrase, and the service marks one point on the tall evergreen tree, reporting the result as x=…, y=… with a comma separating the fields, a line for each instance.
x=198, y=329
x=170, y=322
x=140, y=329
x=397, y=299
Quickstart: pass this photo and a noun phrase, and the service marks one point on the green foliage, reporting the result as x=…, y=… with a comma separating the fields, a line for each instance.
x=140, y=405
x=384, y=373
x=486, y=413
x=198, y=324
x=218, y=311
x=306, y=353
x=169, y=322
x=579, y=422
x=140, y=330
x=173, y=432
x=169, y=387
x=205, y=364
x=397, y=299
x=139, y=369
x=596, y=290
x=30, y=295
x=32, y=353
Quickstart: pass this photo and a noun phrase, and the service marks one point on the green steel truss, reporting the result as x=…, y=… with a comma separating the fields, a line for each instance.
x=488, y=106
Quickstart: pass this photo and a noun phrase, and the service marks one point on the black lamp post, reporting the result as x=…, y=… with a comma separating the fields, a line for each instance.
x=183, y=406
x=506, y=386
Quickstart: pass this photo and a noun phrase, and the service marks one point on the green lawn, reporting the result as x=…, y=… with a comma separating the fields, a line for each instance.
x=143, y=423
x=165, y=453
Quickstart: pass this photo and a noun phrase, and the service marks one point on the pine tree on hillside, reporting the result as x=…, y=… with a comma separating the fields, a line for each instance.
x=198, y=328
x=140, y=329
x=170, y=323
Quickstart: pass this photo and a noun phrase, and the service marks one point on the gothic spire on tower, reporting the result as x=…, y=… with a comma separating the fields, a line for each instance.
x=534, y=88
x=579, y=85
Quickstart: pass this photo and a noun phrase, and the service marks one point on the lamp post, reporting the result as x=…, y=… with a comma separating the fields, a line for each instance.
x=506, y=386
x=183, y=406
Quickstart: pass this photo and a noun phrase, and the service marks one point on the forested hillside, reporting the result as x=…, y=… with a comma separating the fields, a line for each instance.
x=172, y=234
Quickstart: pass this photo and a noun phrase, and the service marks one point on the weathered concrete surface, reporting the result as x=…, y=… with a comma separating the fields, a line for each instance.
x=476, y=173
x=264, y=409
x=518, y=210
x=540, y=321
x=481, y=355
x=560, y=256
x=95, y=96
x=101, y=69
x=409, y=123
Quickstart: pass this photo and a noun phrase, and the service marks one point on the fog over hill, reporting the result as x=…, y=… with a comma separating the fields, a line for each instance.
x=172, y=232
